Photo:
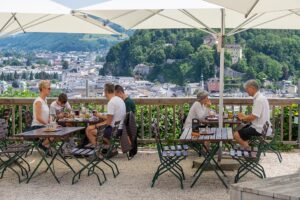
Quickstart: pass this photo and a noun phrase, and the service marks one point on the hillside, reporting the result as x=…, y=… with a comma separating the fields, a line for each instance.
x=58, y=42
x=267, y=55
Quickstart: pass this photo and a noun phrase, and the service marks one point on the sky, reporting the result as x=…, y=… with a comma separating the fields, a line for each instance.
x=78, y=3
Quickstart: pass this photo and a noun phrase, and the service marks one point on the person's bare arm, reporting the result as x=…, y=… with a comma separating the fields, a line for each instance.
x=246, y=118
x=101, y=116
x=100, y=124
x=38, y=112
x=109, y=119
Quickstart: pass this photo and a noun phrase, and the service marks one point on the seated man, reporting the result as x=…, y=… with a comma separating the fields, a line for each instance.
x=58, y=107
x=129, y=103
x=200, y=109
x=260, y=114
x=116, y=111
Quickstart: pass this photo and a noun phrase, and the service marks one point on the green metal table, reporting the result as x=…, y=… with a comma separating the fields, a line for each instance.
x=59, y=137
x=214, y=136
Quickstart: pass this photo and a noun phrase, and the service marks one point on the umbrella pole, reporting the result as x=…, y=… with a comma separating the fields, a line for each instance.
x=221, y=103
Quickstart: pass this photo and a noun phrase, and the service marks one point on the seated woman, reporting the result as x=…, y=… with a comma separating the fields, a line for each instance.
x=200, y=109
x=58, y=107
x=41, y=110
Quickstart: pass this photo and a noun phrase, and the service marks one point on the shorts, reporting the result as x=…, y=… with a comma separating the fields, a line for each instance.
x=107, y=132
x=247, y=132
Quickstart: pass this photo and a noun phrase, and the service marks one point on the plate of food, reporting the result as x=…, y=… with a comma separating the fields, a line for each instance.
x=52, y=129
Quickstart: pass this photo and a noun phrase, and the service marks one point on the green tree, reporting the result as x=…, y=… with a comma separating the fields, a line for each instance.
x=183, y=49
x=157, y=56
x=15, y=84
x=203, y=63
x=31, y=76
x=28, y=62
x=263, y=63
x=65, y=64
x=16, y=75
x=2, y=76
x=24, y=75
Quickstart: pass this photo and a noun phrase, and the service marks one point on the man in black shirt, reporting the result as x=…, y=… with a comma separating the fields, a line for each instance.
x=130, y=105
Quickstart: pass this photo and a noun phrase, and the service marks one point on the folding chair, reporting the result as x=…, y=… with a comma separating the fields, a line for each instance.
x=267, y=146
x=271, y=146
x=11, y=154
x=95, y=156
x=169, y=157
x=249, y=158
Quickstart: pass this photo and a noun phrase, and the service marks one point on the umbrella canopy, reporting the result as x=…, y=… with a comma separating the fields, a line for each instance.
x=257, y=6
x=165, y=14
x=45, y=16
x=157, y=14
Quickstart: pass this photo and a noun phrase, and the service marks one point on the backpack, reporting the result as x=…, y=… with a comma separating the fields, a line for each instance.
x=66, y=149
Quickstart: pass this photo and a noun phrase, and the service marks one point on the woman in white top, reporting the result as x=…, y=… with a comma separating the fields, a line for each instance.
x=200, y=109
x=41, y=109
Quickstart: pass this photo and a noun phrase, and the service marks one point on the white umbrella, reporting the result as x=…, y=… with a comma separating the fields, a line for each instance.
x=249, y=7
x=45, y=16
x=153, y=14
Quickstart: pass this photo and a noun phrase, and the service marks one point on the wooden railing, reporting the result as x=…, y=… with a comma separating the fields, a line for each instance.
x=168, y=111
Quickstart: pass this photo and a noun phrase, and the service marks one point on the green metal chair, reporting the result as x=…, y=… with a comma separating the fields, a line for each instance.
x=95, y=156
x=267, y=145
x=169, y=157
x=11, y=154
x=271, y=146
x=249, y=158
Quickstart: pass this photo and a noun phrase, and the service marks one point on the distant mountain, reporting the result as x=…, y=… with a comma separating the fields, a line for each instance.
x=59, y=42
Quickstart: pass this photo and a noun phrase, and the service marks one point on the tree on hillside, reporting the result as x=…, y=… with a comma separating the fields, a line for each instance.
x=157, y=56
x=16, y=75
x=24, y=75
x=65, y=64
x=183, y=49
x=15, y=84
x=263, y=63
x=2, y=76
x=31, y=76
x=136, y=55
x=28, y=62
x=203, y=63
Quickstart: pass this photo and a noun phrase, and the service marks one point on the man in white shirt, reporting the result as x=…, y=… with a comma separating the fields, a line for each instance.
x=58, y=107
x=200, y=108
x=259, y=116
x=116, y=111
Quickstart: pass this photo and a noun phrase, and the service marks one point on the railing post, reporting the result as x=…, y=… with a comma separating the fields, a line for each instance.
x=298, y=116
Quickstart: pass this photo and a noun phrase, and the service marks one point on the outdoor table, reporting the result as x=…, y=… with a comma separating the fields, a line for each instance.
x=76, y=121
x=215, y=136
x=61, y=134
x=215, y=122
x=80, y=122
x=234, y=122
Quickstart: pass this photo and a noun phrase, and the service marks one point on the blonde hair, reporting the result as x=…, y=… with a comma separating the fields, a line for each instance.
x=43, y=84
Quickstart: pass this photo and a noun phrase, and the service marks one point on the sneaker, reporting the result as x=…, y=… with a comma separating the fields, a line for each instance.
x=104, y=151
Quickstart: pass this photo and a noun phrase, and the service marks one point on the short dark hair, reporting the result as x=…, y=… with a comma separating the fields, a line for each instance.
x=109, y=88
x=119, y=88
x=63, y=98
